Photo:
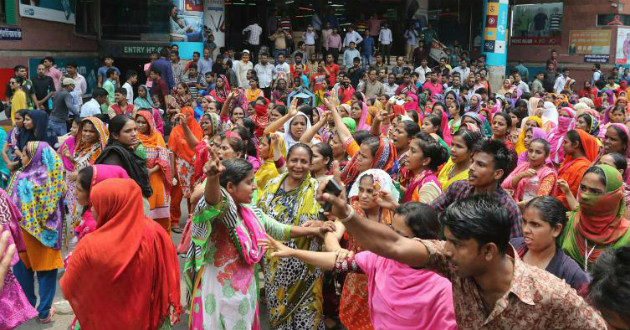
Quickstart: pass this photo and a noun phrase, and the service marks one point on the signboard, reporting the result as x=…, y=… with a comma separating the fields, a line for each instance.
x=214, y=18
x=187, y=29
x=140, y=50
x=591, y=42
x=536, y=24
x=612, y=20
x=622, y=56
x=596, y=58
x=86, y=66
x=10, y=33
x=56, y=11
x=495, y=30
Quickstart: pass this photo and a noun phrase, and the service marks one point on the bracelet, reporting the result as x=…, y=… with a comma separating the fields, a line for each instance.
x=349, y=216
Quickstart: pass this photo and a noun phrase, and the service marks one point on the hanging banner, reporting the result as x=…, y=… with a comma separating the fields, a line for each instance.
x=215, y=20
x=56, y=11
x=186, y=21
x=536, y=24
x=622, y=56
x=495, y=30
x=592, y=42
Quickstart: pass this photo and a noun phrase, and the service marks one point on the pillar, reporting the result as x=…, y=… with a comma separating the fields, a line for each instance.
x=494, y=46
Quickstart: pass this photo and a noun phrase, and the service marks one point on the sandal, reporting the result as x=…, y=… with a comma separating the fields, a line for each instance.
x=47, y=320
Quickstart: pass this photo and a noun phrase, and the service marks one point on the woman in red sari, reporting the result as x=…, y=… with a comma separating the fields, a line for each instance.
x=135, y=284
x=580, y=149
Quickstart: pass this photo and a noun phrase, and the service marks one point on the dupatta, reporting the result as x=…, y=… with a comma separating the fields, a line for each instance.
x=177, y=141
x=157, y=154
x=556, y=136
x=85, y=154
x=385, y=158
x=520, y=144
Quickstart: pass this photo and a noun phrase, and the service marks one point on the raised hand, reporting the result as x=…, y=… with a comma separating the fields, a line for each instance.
x=280, y=250
x=213, y=166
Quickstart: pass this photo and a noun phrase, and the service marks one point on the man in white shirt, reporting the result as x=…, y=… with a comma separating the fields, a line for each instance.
x=282, y=69
x=390, y=87
x=132, y=79
x=241, y=67
x=422, y=70
x=93, y=106
x=80, y=87
x=385, y=39
x=254, y=37
x=462, y=69
x=561, y=81
x=352, y=36
x=265, y=72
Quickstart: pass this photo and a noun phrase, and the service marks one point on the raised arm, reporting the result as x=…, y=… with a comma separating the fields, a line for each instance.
x=325, y=260
x=188, y=135
x=342, y=130
x=276, y=125
x=374, y=236
x=225, y=109
x=213, y=169
x=307, y=137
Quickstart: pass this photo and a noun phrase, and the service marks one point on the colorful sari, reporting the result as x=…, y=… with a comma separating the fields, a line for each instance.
x=140, y=259
x=201, y=150
x=161, y=180
x=520, y=144
x=556, y=136
x=445, y=177
x=572, y=170
x=599, y=223
x=15, y=308
x=542, y=184
x=268, y=170
x=385, y=158
x=37, y=189
x=424, y=187
x=221, y=263
x=354, y=310
x=293, y=289
x=183, y=153
x=537, y=133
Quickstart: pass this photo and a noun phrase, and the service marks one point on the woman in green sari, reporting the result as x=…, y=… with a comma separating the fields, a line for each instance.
x=599, y=222
x=293, y=289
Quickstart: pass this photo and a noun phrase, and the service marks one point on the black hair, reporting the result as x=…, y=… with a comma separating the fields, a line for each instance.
x=99, y=91
x=597, y=170
x=247, y=133
x=506, y=116
x=307, y=110
x=480, y=217
x=110, y=72
x=622, y=135
x=359, y=96
x=610, y=285
x=197, y=53
x=545, y=144
x=619, y=160
x=281, y=109
x=50, y=59
x=550, y=210
x=72, y=65
x=372, y=142
x=326, y=151
x=22, y=112
x=298, y=146
x=192, y=66
x=432, y=149
x=574, y=137
x=587, y=118
x=84, y=178
x=18, y=67
x=131, y=73
x=83, y=122
x=501, y=154
x=359, y=136
x=414, y=115
x=121, y=90
x=236, y=170
x=421, y=218
x=435, y=121
x=165, y=51
x=410, y=127
x=237, y=145
x=116, y=125
x=156, y=71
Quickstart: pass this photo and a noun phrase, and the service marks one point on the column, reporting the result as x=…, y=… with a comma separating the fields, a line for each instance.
x=494, y=46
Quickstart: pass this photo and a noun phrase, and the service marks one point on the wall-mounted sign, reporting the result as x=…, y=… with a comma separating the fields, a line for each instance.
x=10, y=33
x=592, y=42
x=622, y=56
x=536, y=24
x=596, y=58
x=56, y=11
x=612, y=19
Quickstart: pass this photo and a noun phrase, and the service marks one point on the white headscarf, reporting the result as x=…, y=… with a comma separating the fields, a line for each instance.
x=381, y=179
x=289, y=141
x=550, y=113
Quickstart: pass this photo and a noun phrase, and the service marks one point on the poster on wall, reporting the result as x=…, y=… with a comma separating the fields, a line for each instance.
x=622, y=56
x=536, y=24
x=49, y=10
x=591, y=42
x=215, y=20
x=186, y=21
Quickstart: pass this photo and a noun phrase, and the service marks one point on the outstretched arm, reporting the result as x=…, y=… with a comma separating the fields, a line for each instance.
x=325, y=260
x=213, y=169
x=276, y=125
x=191, y=140
x=307, y=137
x=342, y=130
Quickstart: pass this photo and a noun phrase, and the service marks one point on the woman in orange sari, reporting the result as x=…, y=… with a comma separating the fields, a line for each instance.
x=158, y=164
x=580, y=150
x=184, y=164
x=140, y=261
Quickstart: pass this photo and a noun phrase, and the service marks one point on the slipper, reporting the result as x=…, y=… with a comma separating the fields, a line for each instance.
x=47, y=320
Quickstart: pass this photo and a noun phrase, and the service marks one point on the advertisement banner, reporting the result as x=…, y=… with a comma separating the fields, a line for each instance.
x=495, y=29
x=612, y=19
x=592, y=42
x=536, y=24
x=186, y=26
x=215, y=20
x=622, y=56
x=49, y=10
x=86, y=66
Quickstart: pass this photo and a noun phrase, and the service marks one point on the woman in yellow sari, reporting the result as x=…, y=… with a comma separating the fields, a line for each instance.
x=272, y=152
x=456, y=168
x=528, y=122
x=160, y=173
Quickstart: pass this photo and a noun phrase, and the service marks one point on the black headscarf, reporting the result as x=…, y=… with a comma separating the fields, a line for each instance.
x=39, y=131
x=118, y=154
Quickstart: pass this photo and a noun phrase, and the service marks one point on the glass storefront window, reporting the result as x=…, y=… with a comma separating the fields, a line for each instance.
x=144, y=20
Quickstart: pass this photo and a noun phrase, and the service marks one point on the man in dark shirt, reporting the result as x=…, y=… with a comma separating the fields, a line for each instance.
x=160, y=90
x=355, y=73
x=490, y=165
x=217, y=67
x=63, y=108
x=164, y=66
x=43, y=87
x=550, y=77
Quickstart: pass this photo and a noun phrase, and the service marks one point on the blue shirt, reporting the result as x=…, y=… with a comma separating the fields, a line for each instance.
x=166, y=70
x=367, y=46
x=102, y=72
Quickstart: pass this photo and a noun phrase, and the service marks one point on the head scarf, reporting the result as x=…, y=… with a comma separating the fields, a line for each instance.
x=600, y=221
x=363, y=126
x=580, y=107
x=220, y=94
x=532, y=106
x=606, y=118
x=289, y=141
x=520, y=144
x=268, y=170
x=446, y=132
x=484, y=127
x=39, y=131
x=475, y=109
x=144, y=102
x=261, y=119
x=550, y=114
x=590, y=146
x=68, y=144
x=37, y=190
x=139, y=257
x=155, y=147
x=556, y=136
x=594, y=128
x=382, y=181
x=625, y=131
x=385, y=158
x=134, y=165
x=86, y=154
x=177, y=141
x=350, y=124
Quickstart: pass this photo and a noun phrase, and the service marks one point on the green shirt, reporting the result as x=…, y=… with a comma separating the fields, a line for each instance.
x=111, y=89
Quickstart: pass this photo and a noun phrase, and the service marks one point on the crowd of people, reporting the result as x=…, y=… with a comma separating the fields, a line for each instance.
x=367, y=196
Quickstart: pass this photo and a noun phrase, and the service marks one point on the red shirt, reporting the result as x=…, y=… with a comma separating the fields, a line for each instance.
x=317, y=80
x=294, y=73
x=333, y=71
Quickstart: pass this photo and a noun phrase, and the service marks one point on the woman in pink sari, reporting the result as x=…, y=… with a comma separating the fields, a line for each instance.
x=566, y=122
x=534, y=177
x=531, y=134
